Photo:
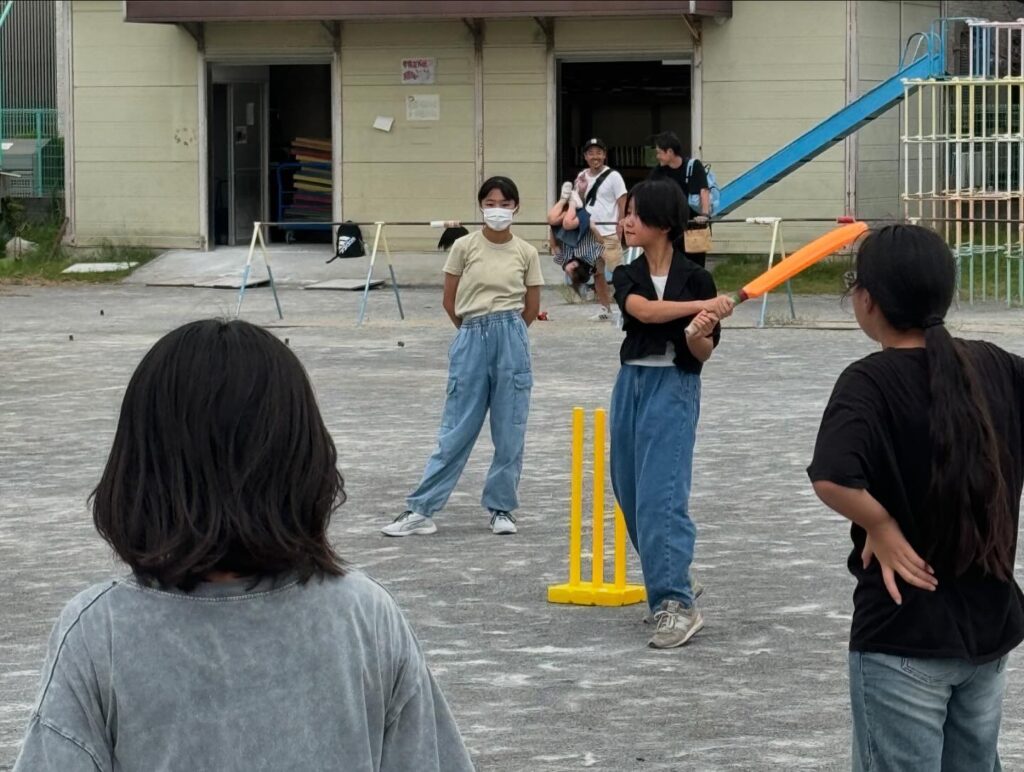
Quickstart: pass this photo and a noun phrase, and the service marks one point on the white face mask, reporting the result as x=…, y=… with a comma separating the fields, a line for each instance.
x=498, y=219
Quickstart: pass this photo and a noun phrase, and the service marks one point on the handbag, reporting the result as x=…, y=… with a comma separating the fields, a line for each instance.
x=697, y=240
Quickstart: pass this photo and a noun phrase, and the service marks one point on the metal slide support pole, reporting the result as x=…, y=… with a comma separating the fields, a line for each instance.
x=369, y=273
x=270, y=273
x=248, y=267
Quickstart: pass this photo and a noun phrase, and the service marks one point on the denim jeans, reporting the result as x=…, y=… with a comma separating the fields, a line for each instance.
x=653, y=428
x=488, y=370
x=925, y=714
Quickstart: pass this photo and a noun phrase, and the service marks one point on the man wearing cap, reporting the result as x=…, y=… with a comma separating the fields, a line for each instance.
x=604, y=194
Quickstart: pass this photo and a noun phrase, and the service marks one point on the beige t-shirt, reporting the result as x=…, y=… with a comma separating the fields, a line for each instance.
x=494, y=276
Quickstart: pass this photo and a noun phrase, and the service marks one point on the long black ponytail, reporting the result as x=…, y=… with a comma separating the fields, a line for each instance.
x=911, y=275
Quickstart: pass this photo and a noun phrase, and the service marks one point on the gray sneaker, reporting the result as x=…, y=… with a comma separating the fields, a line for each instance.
x=695, y=586
x=676, y=625
x=502, y=522
x=410, y=523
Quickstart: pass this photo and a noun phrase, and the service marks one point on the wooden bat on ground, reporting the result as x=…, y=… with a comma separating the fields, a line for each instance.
x=803, y=258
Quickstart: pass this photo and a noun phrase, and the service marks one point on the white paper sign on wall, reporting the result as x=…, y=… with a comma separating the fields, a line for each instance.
x=423, y=107
x=418, y=71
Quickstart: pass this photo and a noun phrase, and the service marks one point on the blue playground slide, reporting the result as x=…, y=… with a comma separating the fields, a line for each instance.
x=834, y=128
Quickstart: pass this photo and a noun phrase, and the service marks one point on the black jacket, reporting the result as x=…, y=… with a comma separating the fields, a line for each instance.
x=686, y=281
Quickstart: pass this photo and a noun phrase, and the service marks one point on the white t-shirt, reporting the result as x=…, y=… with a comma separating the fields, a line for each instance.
x=657, y=360
x=494, y=276
x=605, y=208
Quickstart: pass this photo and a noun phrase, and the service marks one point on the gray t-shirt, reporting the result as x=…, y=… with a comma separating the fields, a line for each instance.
x=281, y=676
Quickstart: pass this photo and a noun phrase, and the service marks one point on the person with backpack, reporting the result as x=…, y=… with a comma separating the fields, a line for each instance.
x=604, y=196
x=921, y=447
x=239, y=639
x=691, y=177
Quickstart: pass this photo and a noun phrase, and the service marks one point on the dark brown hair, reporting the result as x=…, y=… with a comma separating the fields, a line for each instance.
x=911, y=274
x=220, y=462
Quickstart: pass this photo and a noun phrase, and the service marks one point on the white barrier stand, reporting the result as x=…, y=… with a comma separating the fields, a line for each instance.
x=776, y=224
x=257, y=235
x=378, y=237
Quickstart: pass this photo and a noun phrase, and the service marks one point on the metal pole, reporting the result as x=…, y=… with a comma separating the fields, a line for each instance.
x=37, y=174
x=248, y=267
x=369, y=274
x=3, y=17
x=270, y=272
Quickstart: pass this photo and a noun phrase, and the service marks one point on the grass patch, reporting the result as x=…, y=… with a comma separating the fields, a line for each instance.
x=45, y=264
x=825, y=278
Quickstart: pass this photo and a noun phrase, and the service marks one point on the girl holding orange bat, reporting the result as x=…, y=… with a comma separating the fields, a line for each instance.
x=920, y=447
x=656, y=400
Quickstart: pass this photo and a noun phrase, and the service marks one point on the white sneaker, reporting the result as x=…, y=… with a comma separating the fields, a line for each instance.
x=602, y=316
x=502, y=523
x=576, y=200
x=410, y=524
x=566, y=191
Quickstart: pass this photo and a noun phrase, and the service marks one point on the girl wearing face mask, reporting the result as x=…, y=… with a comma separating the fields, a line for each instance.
x=492, y=294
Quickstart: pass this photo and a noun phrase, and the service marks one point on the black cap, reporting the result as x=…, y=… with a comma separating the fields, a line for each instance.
x=594, y=141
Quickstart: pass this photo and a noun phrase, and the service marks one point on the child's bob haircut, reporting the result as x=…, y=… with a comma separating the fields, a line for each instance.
x=660, y=204
x=220, y=462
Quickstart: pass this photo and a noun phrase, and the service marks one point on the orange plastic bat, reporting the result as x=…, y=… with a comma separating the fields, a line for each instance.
x=798, y=261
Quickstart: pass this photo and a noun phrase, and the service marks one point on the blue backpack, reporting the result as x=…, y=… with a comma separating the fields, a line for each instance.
x=714, y=192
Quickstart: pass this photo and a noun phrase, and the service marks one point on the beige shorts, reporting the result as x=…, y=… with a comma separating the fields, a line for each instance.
x=612, y=252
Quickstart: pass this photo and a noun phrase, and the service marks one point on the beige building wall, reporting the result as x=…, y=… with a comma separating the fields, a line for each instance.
x=135, y=104
x=770, y=73
x=515, y=75
x=420, y=170
x=628, y=38
x=882, y=28
x=258, y=43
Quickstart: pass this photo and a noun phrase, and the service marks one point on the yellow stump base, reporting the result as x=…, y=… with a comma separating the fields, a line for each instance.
x=596, y=592
x=587, y=594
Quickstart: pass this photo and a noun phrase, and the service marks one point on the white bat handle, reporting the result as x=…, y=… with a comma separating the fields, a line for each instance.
x=689, y=330
x=444, y=223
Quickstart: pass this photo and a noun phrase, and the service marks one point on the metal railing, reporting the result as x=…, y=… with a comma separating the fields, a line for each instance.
x=31, y=152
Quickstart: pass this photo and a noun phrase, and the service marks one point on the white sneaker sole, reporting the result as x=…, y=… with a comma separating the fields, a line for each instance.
x=420, y=529
x=689, y=634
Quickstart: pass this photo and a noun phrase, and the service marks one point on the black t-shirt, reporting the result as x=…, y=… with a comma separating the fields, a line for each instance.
x=874, y=436
x=686, y=281
x=698, y=177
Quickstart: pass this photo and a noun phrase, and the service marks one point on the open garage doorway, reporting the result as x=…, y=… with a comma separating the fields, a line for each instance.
x=269, y=151
x=624, y=103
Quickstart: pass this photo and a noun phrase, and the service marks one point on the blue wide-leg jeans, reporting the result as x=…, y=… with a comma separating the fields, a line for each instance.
x=488, y=370
x=654, y=416
x=912, y=714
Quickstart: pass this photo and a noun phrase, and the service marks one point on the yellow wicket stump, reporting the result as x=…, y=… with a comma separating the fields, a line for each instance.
x=596, y=592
